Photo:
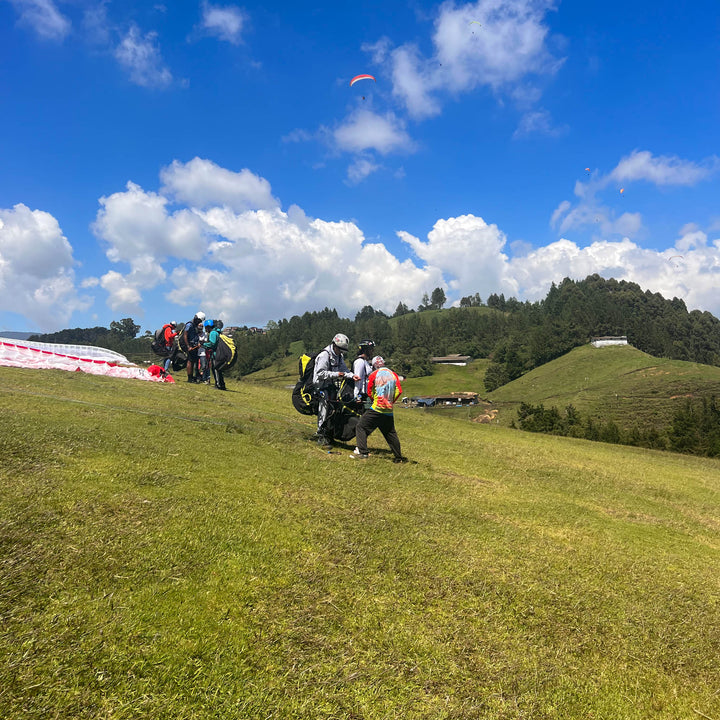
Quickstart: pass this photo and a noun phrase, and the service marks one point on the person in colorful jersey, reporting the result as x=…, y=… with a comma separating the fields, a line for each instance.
x=384, y=388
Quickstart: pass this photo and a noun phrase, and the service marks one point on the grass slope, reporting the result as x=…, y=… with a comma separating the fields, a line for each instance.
x=449, y=378
x=619, y=383
x=175, y=552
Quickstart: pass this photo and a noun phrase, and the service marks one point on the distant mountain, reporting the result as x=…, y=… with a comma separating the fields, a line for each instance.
x=15, y=335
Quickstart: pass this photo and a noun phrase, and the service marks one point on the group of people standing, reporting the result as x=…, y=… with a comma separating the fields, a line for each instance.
x=198, y=339
x=376, y=386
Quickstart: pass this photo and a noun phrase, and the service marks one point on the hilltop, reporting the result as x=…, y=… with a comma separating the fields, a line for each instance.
x=621, y=384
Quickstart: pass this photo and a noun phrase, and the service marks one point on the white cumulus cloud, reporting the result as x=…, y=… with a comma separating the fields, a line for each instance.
x=494, y=43
x=201, y=183
x=37, y=276
x=366, y=130
x=663, y=169
x=252, y=262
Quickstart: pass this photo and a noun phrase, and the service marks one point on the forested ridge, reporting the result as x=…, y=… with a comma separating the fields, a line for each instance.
x=517, y=336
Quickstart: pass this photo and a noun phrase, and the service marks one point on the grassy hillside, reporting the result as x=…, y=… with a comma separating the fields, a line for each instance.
x=174, y=552
x=618, y=383
x=449, y=378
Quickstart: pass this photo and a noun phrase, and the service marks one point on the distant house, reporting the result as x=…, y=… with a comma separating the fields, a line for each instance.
x=451, y=360
x=599, y=342
x=454, y=398
x=257, y=331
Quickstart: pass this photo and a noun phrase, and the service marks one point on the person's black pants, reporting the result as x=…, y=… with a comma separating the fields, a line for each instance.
x=371, y=420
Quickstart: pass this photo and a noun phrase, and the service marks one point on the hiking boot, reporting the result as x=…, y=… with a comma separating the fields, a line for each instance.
x=359, y=456
x=324, y=443
x=400, y=460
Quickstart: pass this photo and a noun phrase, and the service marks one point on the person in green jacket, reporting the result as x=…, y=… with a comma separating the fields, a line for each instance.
x=211, y=346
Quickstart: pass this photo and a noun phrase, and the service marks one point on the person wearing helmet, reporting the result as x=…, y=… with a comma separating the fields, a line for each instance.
x=212, y=328
x=203, y=354
x=190, y=344
x=362, y=368
x=384, y=389
x=330, y=369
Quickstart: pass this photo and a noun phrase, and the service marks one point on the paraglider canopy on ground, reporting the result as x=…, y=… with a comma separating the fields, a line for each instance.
x=74, y=358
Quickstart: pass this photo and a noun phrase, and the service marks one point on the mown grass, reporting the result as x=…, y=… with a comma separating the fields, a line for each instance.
x=175, y=552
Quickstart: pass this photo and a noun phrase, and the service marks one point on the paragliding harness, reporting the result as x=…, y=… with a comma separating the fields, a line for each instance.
x=305, y=397
x=344, y=411
x=178, y=357
x=158, y=345
x=225, y=355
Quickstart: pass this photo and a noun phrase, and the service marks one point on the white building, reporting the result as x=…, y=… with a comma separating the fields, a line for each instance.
x=599, y=342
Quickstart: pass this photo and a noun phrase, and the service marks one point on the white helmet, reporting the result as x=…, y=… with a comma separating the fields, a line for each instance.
x=377, y=362
x=200, y=315
x=341, y=341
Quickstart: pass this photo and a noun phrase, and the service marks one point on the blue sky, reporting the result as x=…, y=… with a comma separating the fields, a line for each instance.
x=161, y=158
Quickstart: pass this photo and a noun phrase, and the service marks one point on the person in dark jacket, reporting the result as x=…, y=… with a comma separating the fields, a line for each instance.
x=190, y=344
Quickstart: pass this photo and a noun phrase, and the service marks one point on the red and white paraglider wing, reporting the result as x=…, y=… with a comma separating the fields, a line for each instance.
x=81, y=358
x=357, y=78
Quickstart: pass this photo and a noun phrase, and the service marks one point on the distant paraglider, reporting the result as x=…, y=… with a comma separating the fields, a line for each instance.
x=357, y=78
x=676, y=257
x=622, y=190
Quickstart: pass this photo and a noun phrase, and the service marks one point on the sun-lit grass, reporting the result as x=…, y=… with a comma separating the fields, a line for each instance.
x=449, y=378
x=176, y=552
x=619, y=383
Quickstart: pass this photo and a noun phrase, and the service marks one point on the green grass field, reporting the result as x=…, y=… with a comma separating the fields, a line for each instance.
x=619, y=383
x=175, y=552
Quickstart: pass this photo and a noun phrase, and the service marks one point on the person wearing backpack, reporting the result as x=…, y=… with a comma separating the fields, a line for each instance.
x=330, y=369
x=170, y=332
x=384, y=389
x=189, y=344
x=211, y=346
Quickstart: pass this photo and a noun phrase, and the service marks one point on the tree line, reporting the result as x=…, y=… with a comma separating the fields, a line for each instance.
x=516, y=336
x=694, y=428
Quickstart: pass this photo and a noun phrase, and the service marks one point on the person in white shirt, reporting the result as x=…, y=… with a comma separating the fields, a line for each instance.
x=362, y=368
